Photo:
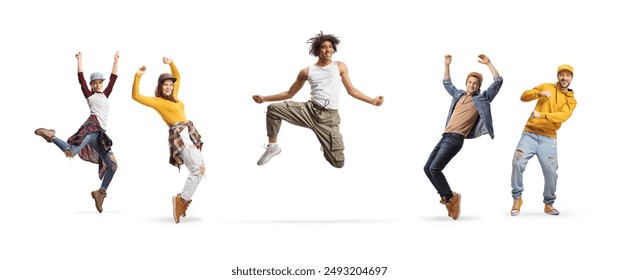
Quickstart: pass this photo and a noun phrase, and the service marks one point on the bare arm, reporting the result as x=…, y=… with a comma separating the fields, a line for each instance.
x=446, y=74
x=78, y=55
x=294, y=88
x=352, y=91
x=483, y=59
x=115, y=66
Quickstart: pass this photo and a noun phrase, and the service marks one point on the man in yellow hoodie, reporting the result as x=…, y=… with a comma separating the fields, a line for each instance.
x=555, y=104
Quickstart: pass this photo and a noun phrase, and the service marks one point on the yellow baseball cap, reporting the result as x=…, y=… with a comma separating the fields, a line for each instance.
x=565, y=67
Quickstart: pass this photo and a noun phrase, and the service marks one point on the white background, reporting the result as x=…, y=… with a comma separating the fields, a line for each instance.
x=298, y=211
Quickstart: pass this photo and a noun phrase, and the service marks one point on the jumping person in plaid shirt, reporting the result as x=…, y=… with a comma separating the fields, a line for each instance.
x=184, y=139
x=91, y=142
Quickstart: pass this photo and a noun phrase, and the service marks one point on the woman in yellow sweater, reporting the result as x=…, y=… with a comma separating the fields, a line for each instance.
x=184, y=139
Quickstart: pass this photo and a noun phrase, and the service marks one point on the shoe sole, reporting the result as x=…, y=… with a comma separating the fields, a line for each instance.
x=514, y=213
x=174, y=210
x=267, y=160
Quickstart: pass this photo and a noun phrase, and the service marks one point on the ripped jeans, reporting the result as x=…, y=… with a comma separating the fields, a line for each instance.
x=194, y=163
x=545, y=148
x=107, y=157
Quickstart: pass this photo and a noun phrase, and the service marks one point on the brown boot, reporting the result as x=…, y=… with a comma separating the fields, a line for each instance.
x=179, y=206
x=47, y=134
x=186, y=206
x=444, y=202
x=454, y=205
x=98, y=196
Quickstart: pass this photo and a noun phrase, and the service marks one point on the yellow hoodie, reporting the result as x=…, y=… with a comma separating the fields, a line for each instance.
x=554, y=110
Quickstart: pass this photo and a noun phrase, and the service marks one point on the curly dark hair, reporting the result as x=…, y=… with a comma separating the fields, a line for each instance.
x=318, y=39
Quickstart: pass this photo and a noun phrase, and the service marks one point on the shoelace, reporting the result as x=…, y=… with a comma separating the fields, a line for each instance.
x=186, y=206
x=327, y=102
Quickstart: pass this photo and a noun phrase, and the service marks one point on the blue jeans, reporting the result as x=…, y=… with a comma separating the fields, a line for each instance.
x=91, y=139
x=449, y=145
x=545, y=148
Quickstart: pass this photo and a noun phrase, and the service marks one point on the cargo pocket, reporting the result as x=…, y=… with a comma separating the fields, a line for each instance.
x=337, y=147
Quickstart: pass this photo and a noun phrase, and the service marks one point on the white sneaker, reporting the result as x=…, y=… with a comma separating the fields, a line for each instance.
x=270, y=152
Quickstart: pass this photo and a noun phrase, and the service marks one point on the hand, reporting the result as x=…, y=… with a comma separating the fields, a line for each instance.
x=377, y=101
x=483, y=59
x=166, y=60
x=447, y=59
x=535, y=114
x=545, y=93
x=141, y=70
x=258, y=98
x=78, y=55
x=116, y=56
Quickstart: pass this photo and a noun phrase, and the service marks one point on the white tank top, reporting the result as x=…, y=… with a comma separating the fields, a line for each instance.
x=326, y=85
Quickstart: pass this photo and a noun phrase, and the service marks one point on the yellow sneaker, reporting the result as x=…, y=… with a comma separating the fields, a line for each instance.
x=516, y=207
x=550, y=210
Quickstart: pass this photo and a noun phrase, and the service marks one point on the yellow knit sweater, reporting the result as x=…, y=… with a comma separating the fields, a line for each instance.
x=171, y=112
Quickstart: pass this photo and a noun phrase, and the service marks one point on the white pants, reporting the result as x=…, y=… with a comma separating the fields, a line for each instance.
x=193, y=161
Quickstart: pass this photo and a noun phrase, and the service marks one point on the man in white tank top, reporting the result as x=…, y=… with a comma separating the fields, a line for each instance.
x=319, y=113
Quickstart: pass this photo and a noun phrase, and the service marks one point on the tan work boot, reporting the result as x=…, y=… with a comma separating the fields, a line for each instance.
x=516, y=207
x=444, y=202
x=98, y=196
x=186, y=206
x=47, y=134
x=179, y=206
x=550, y=210
x=454, y=205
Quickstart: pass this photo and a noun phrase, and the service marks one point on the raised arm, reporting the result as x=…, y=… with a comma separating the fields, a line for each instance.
x=494, y=88
x=135, y=93
x=80, y=76
x=446, y=74
x=483, y=59
x=115, y=66
x=352, y=91
x=294, y=88
x=113, y=76
x=176, y=75
x=78, y=55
